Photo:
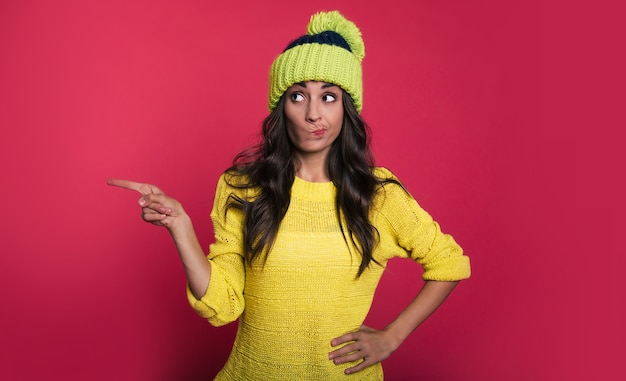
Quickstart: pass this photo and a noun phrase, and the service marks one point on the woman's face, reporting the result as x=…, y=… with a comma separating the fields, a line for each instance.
x=314, y=112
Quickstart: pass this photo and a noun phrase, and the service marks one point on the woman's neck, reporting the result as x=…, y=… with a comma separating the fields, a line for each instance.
x=312, y=169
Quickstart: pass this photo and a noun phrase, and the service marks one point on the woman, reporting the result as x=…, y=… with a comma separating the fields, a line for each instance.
x=304, y=226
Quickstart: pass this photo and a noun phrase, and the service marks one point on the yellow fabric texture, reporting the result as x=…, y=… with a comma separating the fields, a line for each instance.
x=307, y=293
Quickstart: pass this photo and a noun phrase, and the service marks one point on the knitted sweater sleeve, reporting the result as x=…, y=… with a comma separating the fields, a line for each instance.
x=413, y=233
x=223, y=301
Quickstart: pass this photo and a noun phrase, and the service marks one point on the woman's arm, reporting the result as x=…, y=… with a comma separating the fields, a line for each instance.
x=161, y=210
x=197, y=268
x=373, y=346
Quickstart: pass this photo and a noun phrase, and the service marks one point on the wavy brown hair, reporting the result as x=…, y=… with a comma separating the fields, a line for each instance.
x=268, y=168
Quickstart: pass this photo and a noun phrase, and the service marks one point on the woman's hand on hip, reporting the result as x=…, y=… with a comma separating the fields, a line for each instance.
x=367, y=344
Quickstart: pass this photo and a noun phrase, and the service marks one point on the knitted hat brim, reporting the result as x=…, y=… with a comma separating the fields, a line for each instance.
x=316, y=62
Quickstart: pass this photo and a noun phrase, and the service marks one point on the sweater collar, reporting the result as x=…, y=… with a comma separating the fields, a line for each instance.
x=313, y=191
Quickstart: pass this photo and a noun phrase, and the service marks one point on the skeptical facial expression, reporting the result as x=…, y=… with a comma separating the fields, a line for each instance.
x=314, y=112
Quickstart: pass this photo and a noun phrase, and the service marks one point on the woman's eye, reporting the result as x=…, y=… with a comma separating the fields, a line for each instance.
x=329, y=98
x=297, y=97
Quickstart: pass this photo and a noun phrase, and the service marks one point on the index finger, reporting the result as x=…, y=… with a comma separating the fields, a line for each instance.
x=343, y=339
x=132, y=185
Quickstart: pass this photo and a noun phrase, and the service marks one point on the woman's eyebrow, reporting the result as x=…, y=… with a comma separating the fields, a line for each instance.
x=324, y=86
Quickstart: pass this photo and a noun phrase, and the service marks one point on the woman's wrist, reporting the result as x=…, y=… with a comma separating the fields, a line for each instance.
x=182, y=226
x=396, y=334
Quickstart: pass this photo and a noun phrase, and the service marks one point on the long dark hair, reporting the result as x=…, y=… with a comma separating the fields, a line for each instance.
x=268, y=168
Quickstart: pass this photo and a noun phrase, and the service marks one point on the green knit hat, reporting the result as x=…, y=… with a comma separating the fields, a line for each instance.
x=331, y=51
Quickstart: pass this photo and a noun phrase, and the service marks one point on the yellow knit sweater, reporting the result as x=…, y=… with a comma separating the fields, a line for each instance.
x=307, y=293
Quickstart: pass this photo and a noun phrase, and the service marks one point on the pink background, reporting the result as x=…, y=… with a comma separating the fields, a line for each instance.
x=489, y=111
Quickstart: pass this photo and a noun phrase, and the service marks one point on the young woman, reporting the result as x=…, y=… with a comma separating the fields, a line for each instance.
x=304, y=226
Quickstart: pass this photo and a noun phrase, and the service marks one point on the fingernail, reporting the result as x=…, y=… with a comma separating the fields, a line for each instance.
x=142, y=202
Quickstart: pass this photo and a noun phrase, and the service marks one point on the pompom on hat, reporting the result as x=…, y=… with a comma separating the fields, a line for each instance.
x=331, y=51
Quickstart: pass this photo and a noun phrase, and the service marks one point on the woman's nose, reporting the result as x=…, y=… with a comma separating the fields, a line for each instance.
x=312, y=112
